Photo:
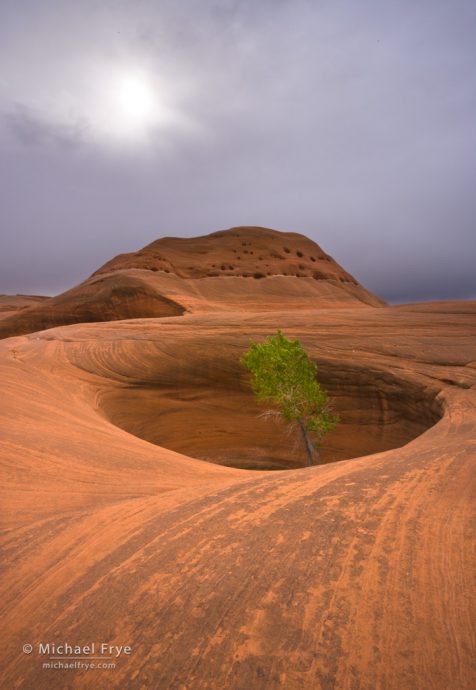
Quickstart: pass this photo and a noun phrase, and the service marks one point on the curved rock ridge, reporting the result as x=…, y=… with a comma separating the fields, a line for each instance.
x=245, y=268
x=102, y=298
x=354, y=574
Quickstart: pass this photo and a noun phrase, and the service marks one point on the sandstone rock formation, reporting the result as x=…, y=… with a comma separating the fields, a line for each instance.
x=264, y=270
x=12, y=304
x=352, y=574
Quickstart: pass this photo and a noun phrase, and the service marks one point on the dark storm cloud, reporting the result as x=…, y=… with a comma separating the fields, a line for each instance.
x=350, y=122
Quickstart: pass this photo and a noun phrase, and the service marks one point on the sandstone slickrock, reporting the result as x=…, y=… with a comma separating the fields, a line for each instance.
x=264, y=270
x=352, y=574
x=11, y=304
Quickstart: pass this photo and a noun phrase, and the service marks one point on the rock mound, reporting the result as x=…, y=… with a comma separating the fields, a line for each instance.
x=244, y=268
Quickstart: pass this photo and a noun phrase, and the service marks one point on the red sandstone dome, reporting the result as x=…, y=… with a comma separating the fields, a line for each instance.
x=249, y=268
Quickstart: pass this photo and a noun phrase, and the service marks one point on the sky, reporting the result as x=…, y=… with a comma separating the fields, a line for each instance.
x=350, y=121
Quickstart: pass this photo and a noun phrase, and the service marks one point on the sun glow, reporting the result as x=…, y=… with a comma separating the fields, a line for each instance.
x=128, y=106
x=135, y=100
x=122, y=106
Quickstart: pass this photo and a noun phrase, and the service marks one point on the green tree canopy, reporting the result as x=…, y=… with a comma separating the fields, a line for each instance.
x=285, y=377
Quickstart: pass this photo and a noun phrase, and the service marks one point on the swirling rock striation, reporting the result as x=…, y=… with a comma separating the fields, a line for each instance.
x=353, y=574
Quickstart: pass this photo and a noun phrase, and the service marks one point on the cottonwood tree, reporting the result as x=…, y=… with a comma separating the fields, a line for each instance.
x=284, y=376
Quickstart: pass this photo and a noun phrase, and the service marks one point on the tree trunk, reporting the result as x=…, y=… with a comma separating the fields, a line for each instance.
x=307, y=441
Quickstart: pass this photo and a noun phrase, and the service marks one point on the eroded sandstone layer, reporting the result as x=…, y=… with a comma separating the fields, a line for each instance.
x=12, y=304
x=350, y=575
x=245, y=268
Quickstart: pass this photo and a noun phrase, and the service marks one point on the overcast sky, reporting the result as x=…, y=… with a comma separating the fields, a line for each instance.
x=351, y=121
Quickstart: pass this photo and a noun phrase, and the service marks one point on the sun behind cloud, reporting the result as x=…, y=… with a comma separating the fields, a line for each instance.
x=137, y=102
x=124, y=105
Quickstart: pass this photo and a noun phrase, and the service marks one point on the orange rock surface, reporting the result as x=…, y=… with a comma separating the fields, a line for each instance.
x=12, y=304
x=127, y=516
x=244, y=268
